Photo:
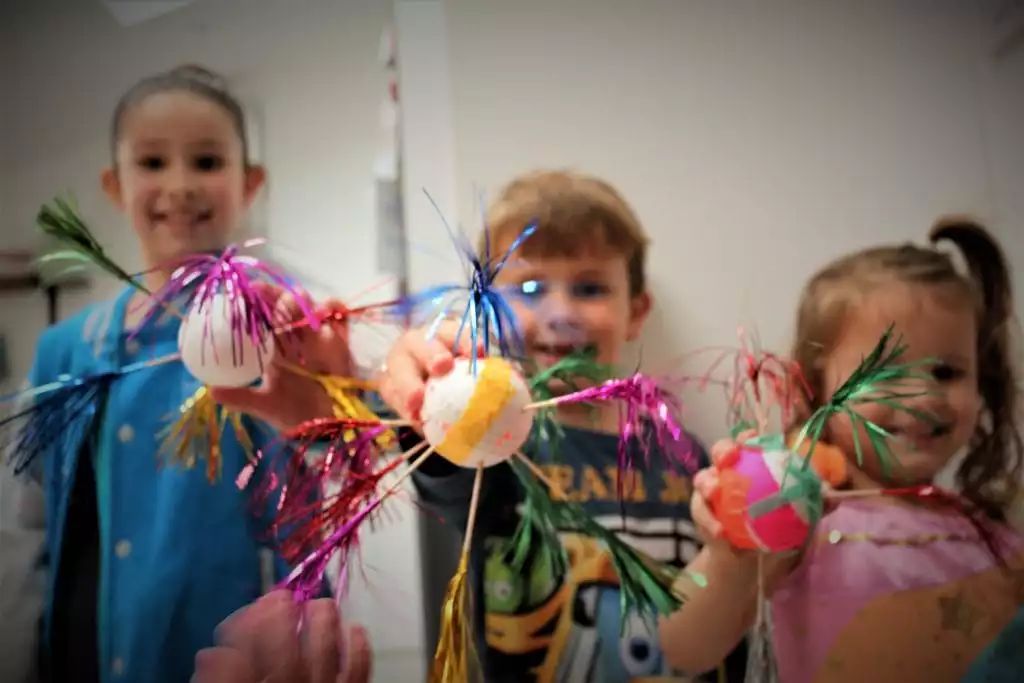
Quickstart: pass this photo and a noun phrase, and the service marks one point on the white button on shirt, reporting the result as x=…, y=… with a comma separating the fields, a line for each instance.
x=125, y=433
x=123, y=548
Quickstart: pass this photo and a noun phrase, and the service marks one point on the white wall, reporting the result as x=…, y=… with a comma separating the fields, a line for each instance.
x=756, y=140
x=310, y=69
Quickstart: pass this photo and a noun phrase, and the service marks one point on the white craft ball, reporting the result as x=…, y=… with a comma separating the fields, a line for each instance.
x=477, y=419
x=213, y=354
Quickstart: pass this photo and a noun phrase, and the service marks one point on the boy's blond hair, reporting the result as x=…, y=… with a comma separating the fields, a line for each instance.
x=573, y=213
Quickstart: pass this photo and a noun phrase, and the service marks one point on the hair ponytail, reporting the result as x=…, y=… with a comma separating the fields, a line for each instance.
x=990, y=474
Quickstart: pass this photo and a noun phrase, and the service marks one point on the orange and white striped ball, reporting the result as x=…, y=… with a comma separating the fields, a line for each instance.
x=473, y=419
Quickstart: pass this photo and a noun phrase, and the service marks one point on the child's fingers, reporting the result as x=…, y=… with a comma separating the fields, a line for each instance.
x=358, y=657
x=447, y=333
x=411, y=361
x=433, y=356
x=320, y=640
x=222, y=665
x=402, y=383
x=704, y=519
x=705, y=482
x=254, y=401
x=332, y=351
x=725, y=453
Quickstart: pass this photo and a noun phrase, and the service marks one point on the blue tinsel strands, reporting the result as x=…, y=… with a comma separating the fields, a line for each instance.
x=66, y=405
x=487, y=313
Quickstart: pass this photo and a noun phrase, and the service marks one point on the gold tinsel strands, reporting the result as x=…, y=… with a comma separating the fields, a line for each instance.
x=345, y=400
x=454, y=652
x=198, y=432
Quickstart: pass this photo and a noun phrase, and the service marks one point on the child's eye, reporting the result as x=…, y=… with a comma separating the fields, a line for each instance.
x=944, y=372
x=209, y=162
x=589, y=290
x=532, y=289
x=151, y=163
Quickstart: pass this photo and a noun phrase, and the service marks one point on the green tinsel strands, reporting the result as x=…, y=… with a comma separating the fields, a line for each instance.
x=61, y=221
x=537, y=524
x=646, y=586
x=572, y=372
x=877, y=379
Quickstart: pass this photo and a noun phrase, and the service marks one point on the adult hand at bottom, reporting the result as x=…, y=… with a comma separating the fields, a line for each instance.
x=275, y=640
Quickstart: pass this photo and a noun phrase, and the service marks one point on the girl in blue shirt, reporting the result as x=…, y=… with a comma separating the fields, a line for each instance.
x=143, y=561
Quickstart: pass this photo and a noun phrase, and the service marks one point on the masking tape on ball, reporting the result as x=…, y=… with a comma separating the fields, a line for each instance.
x=492, y=392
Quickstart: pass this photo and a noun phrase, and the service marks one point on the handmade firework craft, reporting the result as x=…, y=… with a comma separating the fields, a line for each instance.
x=231, y=329
x=477, y=416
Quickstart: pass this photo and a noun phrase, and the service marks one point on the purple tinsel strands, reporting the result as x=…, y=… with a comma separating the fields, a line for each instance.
x=235, y=275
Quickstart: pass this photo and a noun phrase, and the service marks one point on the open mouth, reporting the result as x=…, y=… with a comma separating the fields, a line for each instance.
x=182, y=219
x=561, y=350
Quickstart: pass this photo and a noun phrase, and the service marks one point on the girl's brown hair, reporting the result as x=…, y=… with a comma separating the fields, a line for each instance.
x=190, y=78
x=989, y=475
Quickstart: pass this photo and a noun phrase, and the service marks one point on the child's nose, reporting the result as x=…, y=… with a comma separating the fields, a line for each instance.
x=181, y=181
x=558, y=314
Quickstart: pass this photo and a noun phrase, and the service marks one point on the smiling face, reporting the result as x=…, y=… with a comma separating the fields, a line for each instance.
x=180, y=175
x=565, y=303
x=937, y=323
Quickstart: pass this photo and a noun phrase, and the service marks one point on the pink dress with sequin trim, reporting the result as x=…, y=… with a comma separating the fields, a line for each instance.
x=917, y=608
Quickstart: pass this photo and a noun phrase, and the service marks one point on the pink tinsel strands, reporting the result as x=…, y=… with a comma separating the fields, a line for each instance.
x=649, y=413
x=307, y=578
x=237, y=276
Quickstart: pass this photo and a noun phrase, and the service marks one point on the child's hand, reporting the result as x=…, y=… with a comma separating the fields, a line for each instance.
x=705, y=482
x=276, y=641
x=412, y=361
x=285, y=398
x=723, y=454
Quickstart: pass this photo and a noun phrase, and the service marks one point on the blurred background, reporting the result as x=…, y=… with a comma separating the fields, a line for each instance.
x=756, y=140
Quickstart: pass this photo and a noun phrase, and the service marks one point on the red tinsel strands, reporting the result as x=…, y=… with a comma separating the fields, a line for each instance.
x=304, y=528
x=762, y=380
x=334, y=428
x=347, y=454
x=772, y=380
x=343, y=315
x=329, y=430
x=306, y=579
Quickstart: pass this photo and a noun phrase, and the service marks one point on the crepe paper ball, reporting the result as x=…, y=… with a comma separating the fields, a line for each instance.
x=767, y=499
x=217, y=350
x=473, y=419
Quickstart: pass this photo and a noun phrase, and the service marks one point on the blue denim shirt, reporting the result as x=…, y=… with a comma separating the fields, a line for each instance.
x=177, y=553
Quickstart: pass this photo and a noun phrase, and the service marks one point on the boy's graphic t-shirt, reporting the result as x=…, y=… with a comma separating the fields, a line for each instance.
x=544, y=624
